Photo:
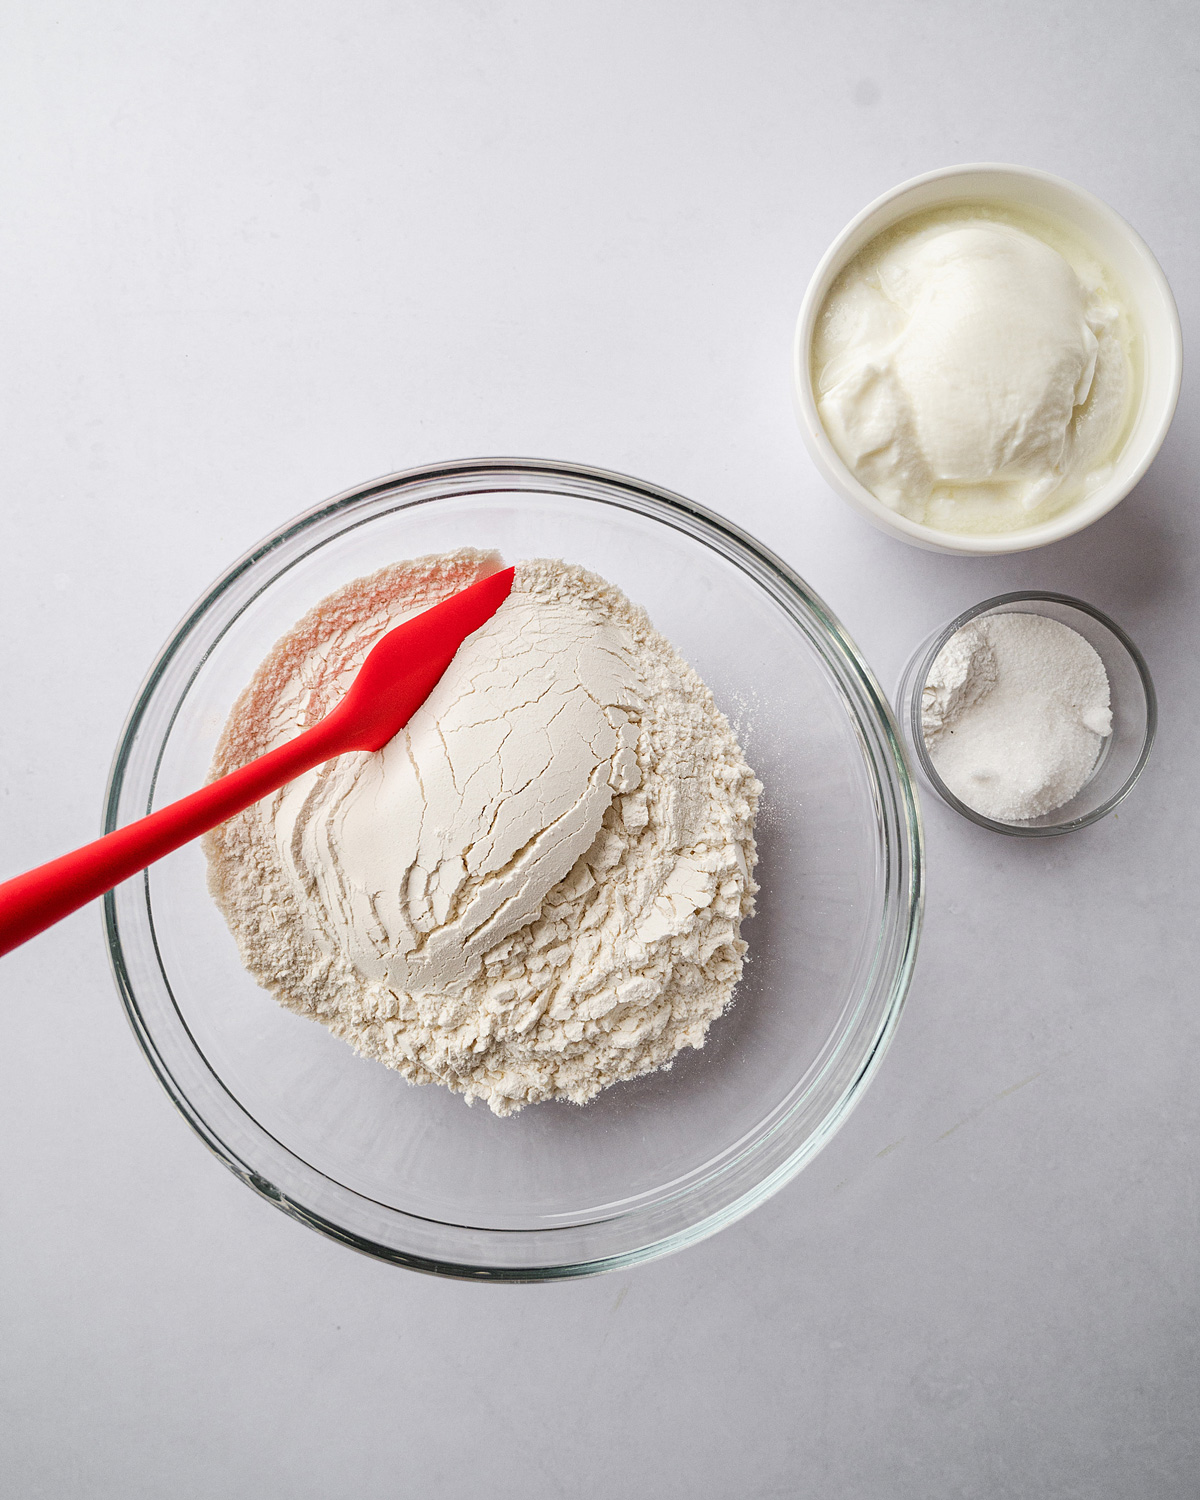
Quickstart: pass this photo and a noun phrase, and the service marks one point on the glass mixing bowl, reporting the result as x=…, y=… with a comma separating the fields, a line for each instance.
x=413, y=1175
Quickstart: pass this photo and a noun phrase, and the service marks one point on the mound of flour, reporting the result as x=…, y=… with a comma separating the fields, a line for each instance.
x=536, y=888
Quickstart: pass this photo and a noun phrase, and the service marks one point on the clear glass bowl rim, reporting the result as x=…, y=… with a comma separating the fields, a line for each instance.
x=908, y=708
x=879, y=1006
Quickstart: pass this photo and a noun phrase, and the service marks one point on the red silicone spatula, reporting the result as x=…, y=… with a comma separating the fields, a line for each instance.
x=393, y=682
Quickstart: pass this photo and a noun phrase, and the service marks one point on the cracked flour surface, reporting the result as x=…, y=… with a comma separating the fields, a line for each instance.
x=536, y=888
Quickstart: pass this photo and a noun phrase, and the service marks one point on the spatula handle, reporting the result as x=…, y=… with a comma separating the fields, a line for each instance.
x=395, y=679
x=31, y=902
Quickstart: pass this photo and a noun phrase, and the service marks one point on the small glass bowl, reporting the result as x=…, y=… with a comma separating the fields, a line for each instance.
x=1134, y=711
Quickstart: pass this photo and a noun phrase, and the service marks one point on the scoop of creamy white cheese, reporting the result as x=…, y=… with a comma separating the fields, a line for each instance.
x=970, y=376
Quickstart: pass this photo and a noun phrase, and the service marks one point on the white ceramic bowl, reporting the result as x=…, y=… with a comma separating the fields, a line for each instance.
x=1158, y=354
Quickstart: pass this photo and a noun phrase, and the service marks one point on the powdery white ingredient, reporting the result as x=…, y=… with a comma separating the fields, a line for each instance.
x=1014, y=713
x=536, y=888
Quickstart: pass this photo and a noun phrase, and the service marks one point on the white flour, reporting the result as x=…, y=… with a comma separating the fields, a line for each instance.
x=1014, y=712
x=536, y=888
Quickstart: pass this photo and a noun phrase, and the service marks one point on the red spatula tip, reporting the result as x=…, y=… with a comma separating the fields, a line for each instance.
x=402, y=669
x=485, y=595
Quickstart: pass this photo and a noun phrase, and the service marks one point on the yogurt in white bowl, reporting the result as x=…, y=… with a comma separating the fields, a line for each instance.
x=987, y=359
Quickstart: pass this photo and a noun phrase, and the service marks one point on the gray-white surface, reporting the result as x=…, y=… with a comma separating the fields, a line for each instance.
x=255, y=253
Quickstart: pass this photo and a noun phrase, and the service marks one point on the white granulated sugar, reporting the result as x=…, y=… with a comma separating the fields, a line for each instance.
x=536, y=889
x=1014, y=713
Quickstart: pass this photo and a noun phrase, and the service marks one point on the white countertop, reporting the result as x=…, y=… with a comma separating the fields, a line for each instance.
x=255, y=254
